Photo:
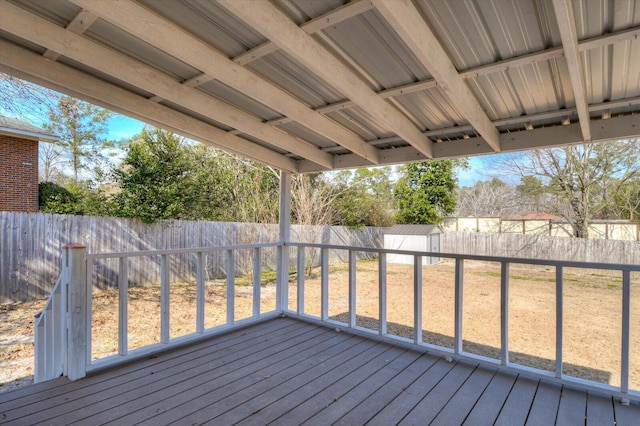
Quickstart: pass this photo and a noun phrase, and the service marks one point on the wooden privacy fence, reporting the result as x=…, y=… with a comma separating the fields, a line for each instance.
x=31, y=247
x=542, y=247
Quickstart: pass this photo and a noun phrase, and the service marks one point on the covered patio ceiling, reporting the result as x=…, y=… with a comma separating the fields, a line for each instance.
x=307, y=85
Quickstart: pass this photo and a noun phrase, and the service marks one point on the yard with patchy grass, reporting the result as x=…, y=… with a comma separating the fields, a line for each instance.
x=592, y=314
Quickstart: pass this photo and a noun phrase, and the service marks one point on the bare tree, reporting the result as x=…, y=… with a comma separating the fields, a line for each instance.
x=487, y=198
x=25, y=100
x=587, y=179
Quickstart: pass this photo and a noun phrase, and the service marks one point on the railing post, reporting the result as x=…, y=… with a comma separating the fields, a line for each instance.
x=559, y=319
x=459, y=278
x=77, y=338
x=282, y=280
x=352, y=288
x=324, y=284
x=257, y=278
x=417, y=299
x=504, y=313
x=165, y=299
x=300, y=285
x=626, y=309
x=200, y=292
x=382, y=291
x=231, y=284
x=123, y=306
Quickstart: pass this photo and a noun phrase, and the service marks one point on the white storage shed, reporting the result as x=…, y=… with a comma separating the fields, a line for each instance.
x=424, y=238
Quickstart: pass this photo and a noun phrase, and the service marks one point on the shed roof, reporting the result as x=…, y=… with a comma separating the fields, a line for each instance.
x=316, y=85
x=13, y=126
x=412, y=230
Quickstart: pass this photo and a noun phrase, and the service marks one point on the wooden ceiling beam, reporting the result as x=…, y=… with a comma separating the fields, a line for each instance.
x=25, y=25
x=408, y=23
x=616, y=128
x=319, y=23
x=30, y=66
x=567, y=27
x=162, y=34
x=295, y=42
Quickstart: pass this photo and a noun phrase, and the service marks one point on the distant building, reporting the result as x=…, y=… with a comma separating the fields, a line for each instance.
x=19, y=164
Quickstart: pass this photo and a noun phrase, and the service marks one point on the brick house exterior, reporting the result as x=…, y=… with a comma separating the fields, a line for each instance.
x=19, y=164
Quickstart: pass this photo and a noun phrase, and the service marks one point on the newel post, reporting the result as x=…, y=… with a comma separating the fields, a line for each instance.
x=75, y=258
x=282, y=280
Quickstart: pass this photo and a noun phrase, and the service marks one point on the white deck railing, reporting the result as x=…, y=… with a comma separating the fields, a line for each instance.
x=50, y=327
x=458, y=351
x=53, y=345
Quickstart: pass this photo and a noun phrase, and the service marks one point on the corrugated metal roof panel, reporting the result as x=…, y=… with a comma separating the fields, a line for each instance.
x=509, y=52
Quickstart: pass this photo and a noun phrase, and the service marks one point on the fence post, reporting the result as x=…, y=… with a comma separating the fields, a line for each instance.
x=77, y=338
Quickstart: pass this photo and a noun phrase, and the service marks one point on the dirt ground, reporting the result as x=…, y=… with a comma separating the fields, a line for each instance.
x=592, y=315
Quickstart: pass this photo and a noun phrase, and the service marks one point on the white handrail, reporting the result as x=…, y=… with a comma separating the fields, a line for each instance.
x=49, y=327
x=166, y=339
x=53, y=349
x=623, y=391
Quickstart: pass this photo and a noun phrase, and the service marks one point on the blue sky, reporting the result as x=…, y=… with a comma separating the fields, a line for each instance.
x=480, y=168
x=122, y=127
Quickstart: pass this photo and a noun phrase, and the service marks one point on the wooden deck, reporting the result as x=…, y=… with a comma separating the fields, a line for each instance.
x=288, y=372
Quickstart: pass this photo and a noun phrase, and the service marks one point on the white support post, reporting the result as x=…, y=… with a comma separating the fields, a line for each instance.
x=200, y=292
x=231, y=283
x=626, y=306
x=559, y=319
x=459, y=278
x=504, y=313
x=417, y=299
x=282, y=285
x=123, y=306
x=76, y=256
x=324, y=284
x=382, y=293
x=300, y=286
x=165, y=299
x=352, y=288
x=257, y=278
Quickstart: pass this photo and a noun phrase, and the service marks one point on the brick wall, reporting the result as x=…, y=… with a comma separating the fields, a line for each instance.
x=18, y=174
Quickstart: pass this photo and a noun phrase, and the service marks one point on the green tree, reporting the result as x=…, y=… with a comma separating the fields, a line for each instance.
x=364, y=197
x=79, y=126
x=70, y=198
x=165, y=177
x=155, y=178
x=425, y=192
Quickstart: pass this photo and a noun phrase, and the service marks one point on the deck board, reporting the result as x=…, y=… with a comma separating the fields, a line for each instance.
x=573, y=407
x=600, y=411
x=459, y=406
x=518, y=404
x=488, y=407
x=286, y=371
x=545, y=405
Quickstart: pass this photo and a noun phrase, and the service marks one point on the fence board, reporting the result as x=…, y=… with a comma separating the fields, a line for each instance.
x=31, y=246
x=542, y=247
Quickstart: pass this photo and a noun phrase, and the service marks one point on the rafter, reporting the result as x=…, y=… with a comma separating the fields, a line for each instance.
x=79, y=24
x=159, y=32
x=503, y=65
x=274, y=25
x=39, y=31
x=622, y=127
x=24, y=64
x=408, y=23
x=333, y=17
x=567, y=27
